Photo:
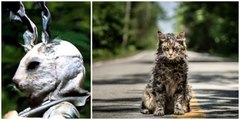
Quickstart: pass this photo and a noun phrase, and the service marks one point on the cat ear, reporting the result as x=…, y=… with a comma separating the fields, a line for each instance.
x=181, y=36
x=161, y=36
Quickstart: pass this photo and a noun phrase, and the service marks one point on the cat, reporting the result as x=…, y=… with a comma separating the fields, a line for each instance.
x=168, y=91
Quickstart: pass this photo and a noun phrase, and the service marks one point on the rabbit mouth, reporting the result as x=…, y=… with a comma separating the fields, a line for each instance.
x=19, y=87
x=27, y=93
x=23, y=89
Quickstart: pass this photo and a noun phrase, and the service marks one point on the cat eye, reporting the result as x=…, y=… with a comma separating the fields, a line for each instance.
x=165, y=49
x=33, y=65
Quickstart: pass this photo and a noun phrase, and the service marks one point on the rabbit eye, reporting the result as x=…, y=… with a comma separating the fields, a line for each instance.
x=33, y=65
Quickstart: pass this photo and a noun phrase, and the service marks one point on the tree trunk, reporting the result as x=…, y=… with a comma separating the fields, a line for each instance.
x=126, y=24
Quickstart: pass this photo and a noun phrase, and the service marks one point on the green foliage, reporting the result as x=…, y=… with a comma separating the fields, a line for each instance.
x=70, y=22
x=105, y=54
x=211, y=26
x=110, y=25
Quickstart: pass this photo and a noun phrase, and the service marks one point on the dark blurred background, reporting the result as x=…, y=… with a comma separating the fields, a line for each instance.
x=70, y=22
x=125, y=28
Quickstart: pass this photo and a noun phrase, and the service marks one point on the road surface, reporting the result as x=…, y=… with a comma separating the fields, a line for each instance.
x=118, y=86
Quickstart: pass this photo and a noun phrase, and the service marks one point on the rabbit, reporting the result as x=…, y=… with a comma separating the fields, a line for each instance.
x=51, y=74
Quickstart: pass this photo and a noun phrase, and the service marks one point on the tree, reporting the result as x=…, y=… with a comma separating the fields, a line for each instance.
x=123, y=27
x=210, y=26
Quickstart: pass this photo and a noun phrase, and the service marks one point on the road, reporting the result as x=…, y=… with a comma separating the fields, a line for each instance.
x=118, y=86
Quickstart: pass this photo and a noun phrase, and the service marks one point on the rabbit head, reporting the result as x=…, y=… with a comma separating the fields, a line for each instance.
x=51, y=69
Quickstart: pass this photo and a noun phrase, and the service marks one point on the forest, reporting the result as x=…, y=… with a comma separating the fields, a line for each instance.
x=211, y=27
x=124, y=28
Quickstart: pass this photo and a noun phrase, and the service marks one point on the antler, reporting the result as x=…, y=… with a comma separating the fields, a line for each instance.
x=46, y=16
x=17, y=13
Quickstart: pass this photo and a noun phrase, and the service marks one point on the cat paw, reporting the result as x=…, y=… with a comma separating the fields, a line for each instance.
x=179, y=112
x=158, y=113
x=145, y=111
x=186, y=109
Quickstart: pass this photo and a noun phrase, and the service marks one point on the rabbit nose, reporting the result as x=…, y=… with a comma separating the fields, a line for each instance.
x=17, y=83
x=19, y=75
x=16, y=80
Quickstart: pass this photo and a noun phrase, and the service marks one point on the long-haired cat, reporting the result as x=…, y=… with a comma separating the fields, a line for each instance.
x=168, y=91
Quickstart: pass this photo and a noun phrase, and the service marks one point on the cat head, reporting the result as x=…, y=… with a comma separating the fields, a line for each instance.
x=172, y=46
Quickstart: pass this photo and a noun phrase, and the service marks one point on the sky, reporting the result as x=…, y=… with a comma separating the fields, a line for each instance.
x=167, y=26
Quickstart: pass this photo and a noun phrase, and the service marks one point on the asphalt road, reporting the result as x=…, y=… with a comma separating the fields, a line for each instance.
x=118, y=86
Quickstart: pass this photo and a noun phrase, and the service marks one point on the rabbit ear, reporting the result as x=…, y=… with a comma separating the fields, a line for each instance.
x=46, y=17
x=19, y=14
x=29, y=39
